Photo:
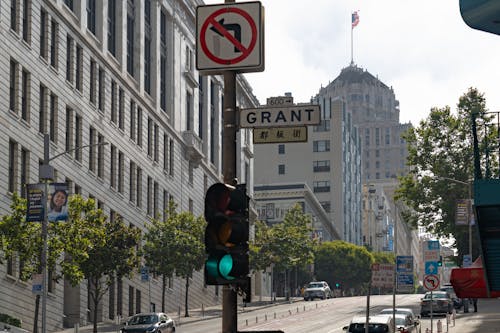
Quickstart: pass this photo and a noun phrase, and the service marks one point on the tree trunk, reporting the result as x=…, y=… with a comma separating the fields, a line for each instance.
x=96, y=304
x=163, y=286
x=37, y=309
x=186, y=300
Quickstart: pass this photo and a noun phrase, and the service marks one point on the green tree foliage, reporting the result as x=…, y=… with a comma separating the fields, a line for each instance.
x=344, y=263
x=97, y=249
x=441, y=147
x=159, y=248
x=384, y=257
x=176, y=245
x=261, y=256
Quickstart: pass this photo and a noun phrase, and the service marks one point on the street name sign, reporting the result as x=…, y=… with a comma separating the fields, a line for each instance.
x=286, y=116
x=280, y=134
x=230, y=36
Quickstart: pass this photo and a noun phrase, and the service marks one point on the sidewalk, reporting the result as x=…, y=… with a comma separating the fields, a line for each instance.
x=195, y=315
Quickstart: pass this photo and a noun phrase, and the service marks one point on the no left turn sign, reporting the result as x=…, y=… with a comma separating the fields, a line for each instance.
x=229, y=37
x=431, y=282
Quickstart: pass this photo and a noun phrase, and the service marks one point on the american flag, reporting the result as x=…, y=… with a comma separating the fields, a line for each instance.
x=354, y=19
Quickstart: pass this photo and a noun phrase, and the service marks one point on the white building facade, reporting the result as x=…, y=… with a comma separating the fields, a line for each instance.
x=121, y=72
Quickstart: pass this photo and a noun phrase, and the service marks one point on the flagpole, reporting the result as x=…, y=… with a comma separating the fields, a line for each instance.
x=352, y=61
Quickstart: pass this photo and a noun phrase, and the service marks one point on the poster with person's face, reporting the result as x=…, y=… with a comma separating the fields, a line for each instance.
x=57, y=202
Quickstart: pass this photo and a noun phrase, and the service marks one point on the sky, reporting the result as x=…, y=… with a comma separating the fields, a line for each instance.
x=422, y=49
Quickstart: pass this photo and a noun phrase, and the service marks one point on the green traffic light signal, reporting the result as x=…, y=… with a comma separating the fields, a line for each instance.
x=337, y=285
x=226, y=235
x=440, y=262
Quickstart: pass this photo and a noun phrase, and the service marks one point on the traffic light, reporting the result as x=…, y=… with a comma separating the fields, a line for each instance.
x=440, y=262
x=337, y=285
x=226, y=235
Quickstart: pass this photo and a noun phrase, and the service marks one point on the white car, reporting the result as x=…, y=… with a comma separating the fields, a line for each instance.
x=406, y=311
x=317, y=289
x=376, y=324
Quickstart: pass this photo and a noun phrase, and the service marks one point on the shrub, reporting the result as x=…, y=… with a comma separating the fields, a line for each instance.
x=5, y=318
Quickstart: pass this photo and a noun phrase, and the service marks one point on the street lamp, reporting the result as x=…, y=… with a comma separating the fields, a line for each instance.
x=469, y=187
x=46, y=174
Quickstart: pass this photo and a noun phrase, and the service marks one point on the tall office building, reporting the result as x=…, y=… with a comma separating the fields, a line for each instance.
x=375, y=112
x=120, y=72
x=329, y=163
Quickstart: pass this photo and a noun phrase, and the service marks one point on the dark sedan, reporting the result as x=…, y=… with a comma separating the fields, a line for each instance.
x=441, y=303
x=156, y=322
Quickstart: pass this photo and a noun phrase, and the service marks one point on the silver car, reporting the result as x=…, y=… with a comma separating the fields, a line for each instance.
x=441, y=303
x=317, y=289
x=154, y=322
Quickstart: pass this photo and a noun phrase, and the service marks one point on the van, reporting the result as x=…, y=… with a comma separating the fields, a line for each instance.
x=376, y=324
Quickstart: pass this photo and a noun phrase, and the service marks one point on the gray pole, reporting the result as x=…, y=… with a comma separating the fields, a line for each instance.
x=394, y=272
x=229, y=296
x=471, y=213
x=367, y=322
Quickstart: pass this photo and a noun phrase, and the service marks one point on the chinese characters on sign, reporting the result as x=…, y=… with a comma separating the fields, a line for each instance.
x=279, y=135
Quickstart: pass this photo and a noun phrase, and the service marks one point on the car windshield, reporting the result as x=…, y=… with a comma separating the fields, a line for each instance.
x=372, y=328
x=400, y=321
x=436, y=295
x=389, y=311
x=315, y=285
x=143, y=320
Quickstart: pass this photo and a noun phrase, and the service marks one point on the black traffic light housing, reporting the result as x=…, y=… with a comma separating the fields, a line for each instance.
x=226, y=235
x=440, y=262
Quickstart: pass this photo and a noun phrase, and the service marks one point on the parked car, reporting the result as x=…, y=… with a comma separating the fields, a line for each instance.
x=441, y=303
x=376, y=324
x=457, y=302
x=155, y=322
x=404, y=323
x=405, y=311
x=317, y=289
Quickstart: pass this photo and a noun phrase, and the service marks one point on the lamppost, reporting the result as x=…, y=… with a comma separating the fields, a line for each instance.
x=469, y=188
x=46, y=174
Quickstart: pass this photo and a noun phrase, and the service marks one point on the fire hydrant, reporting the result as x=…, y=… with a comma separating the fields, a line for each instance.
x=439, y=326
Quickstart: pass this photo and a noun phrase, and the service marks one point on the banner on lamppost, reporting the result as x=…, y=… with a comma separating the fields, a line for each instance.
x=462, y=213
x=36, y=207
x=57, y=202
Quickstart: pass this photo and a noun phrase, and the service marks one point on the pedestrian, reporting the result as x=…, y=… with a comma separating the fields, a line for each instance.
x=466, y=305
x=474, y=302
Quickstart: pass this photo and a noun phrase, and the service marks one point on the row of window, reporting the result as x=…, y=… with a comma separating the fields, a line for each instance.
x=318, y=166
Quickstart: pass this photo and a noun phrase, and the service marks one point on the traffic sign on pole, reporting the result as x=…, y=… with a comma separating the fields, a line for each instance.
x=431, y=282
x=230, y=37
x=286, y=116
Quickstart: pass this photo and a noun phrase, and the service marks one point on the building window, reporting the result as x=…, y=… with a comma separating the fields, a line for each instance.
x=156, y=152
x=54, y=43
x=53, y=121
x=155, y=199
x=321, y=186
x=130, y=36
x=113, y=101
x=132, y=121
x=121, y=166
x=324, y=126
x=149, y=196
x=93, y=80
x=147, y=46
x=171, y=158
x=78, y=137
x=321, y=166
x=42, y=113
x=163, y=61
x=321, y=146
x=281, y=149
x=13, y=158
x=14, y=15
x=326, y=206
x=44, y=34
x=281, y=169
x=69, y=129
x=92, y=150
x=69, y=4
x=112, y=167
x=26, y=95
x=132, y=179
x=79, y=68
x=150, y=136
x=189, y=111
x=121, y=106
x=25, y=170
x=27, y=21
x=139, y=187
x=102, y=89
x=201, y=109
x=165, y=205
x=139, y=127
x=91, y=16
x=13, y=88
x=387, y=136
x=112, y=27
x=100, y=156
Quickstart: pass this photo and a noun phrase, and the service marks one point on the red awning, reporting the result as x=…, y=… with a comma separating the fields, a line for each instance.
x=469, y=282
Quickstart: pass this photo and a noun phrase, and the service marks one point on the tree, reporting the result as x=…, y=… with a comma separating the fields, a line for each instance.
x=158, y=248
x=261, y=256
x=344, y=263
x=97, y=249
x=384, y=257
x=440, y=149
